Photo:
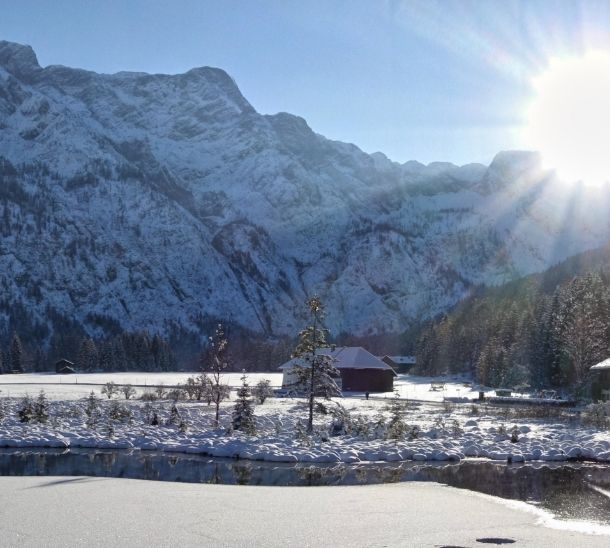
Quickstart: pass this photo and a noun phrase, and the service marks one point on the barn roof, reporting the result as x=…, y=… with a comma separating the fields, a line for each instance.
x=346, y=357
x=602, y=365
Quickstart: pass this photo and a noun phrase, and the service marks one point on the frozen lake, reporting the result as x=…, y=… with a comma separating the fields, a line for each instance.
x=576, y=492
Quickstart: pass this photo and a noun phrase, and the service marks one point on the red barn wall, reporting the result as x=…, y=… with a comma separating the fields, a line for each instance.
x=366, y=380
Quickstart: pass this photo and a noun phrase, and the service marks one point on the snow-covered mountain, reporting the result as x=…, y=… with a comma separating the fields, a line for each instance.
x=155, y=200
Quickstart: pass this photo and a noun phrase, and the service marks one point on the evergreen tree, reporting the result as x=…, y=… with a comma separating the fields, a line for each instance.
x=41, y=408
x=92, y=410
x=88, y=358
x=243, y=411
x=317, y=373
x=16, y=354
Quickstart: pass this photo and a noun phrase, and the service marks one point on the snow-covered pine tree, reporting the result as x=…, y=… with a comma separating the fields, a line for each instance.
x=41, y=408
x=396, y=427
x=317, y=373
x=243, y=411
x=92, y=410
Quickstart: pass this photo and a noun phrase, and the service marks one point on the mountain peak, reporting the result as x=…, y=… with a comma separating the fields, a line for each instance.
x=18, y=59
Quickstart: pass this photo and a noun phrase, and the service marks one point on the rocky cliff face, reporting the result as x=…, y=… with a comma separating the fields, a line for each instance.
x=156, y=200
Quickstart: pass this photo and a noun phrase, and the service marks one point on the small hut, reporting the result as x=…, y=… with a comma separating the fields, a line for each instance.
x=600, y=384
x=64, y=367
x=360, y=371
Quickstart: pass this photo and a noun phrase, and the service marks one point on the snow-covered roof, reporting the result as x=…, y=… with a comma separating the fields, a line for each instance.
x=602, y=365
x=400, y=359
x=348, y=357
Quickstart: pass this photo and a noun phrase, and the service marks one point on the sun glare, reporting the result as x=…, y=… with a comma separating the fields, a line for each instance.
x=568, y=120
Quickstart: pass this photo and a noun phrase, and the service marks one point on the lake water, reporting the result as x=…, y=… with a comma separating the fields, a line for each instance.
x=576, y=491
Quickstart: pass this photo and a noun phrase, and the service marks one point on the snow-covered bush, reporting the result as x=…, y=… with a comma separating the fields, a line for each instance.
x=597, y=415
x=119, y=412
x=174, y=416
x=177, y=394
x=110, y=389
x=341, y=423
x=262, y=390
x=25, y=410
x=161, y=392
x=456, y=429
x=128, y=391
x=34, y=410
x=148, y=396
x=396, y=427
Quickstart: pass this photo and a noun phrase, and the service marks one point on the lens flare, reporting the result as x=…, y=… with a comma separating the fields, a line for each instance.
x=568, y=120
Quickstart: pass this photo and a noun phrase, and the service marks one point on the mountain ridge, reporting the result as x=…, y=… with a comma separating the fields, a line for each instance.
x=154, y=201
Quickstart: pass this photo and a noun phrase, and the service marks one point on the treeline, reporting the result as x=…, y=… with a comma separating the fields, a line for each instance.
x=135, y=351
x=523, y=334
x=126, y=352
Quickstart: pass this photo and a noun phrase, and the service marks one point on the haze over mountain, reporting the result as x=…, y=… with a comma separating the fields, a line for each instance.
x=157, y=200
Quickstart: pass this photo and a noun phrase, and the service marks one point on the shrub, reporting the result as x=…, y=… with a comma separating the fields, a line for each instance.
x=128, y=391
x=397, y=427
x=161, y=392
x=597, y=415
x=25, y=411
x=177, y=394
x=262, y=390
x=174, y=416
x=148, y=396
x=110, y=389
x=119, y=412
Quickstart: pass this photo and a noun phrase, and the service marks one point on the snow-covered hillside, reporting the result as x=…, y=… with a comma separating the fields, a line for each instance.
x=155, y=200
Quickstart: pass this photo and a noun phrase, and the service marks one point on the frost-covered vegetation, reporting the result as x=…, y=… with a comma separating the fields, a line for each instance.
x=344, y=429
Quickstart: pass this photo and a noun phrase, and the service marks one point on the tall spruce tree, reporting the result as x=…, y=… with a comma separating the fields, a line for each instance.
x=317, y=372
x=243, y=411
x=16, y=354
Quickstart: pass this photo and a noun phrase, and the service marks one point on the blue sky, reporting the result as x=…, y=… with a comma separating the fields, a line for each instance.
x=422, y=80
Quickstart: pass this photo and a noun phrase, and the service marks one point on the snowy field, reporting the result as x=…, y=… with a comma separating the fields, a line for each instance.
x=79, y=385
x=354, y=430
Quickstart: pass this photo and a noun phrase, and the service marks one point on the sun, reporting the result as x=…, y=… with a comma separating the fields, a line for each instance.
x=568, y=119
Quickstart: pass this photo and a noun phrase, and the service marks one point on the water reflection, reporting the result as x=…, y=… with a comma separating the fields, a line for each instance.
x=569, y=491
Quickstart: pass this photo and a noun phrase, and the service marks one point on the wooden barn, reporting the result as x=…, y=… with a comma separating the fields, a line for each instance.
x=64, y=367
x=360, y=371
x=400, y=364
x=600, y=383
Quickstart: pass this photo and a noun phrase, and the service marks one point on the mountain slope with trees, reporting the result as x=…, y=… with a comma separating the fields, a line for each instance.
x=164, y=204
x=546, y=329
